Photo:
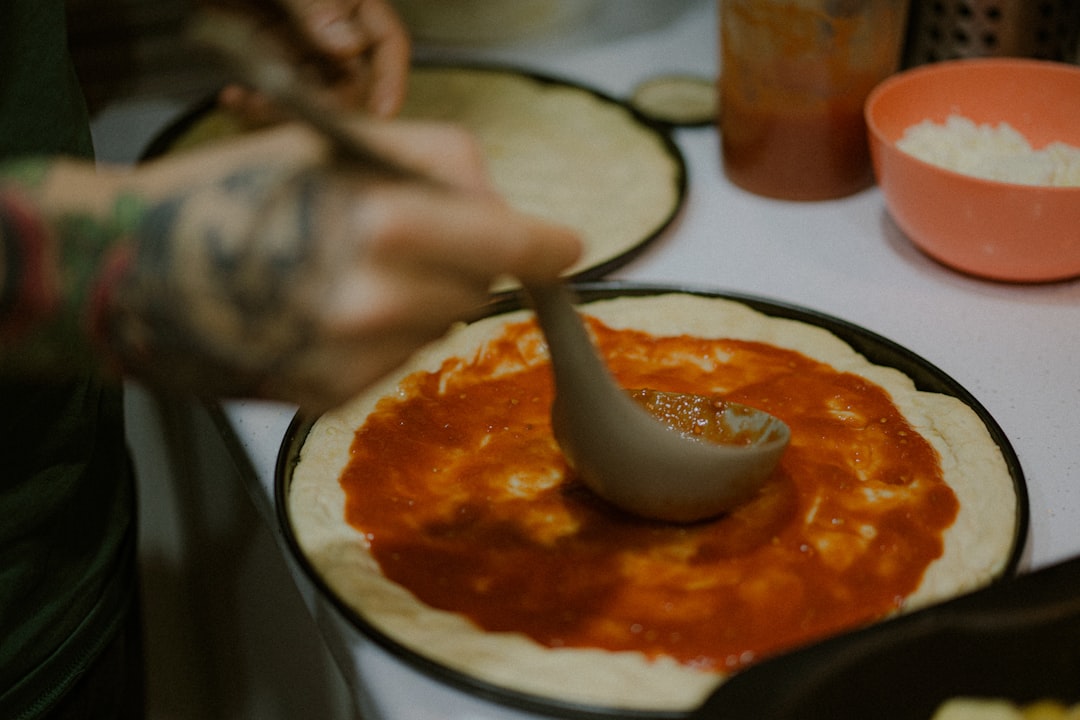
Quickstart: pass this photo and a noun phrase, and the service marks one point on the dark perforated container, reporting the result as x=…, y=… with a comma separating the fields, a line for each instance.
x=950, y=29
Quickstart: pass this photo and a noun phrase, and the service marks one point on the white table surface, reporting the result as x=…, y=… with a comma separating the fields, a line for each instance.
x=1015, y=348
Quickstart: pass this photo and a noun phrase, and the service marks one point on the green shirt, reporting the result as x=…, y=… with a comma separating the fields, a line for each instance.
x=66, y=495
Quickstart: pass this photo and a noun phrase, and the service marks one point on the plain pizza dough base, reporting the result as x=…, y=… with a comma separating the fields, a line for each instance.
x=977, y=546
x=559, y=152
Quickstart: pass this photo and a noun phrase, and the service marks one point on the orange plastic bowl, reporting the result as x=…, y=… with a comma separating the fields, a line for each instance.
x=998, y=230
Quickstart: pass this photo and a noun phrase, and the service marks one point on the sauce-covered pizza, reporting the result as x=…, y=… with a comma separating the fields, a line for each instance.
x=440, y=507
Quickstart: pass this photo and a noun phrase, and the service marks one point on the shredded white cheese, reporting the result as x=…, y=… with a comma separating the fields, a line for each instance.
x=991, y=152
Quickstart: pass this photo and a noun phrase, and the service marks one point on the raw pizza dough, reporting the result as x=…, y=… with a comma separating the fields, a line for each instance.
x=559, y=152
x=977, y=546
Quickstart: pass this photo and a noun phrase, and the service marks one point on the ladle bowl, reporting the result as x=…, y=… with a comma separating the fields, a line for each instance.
x=667, y=456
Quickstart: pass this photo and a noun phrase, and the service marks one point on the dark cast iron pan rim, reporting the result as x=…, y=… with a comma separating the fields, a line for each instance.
x=875, y=348
x=162, y=144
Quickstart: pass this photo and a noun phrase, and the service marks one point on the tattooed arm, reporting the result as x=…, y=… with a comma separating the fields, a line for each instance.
x=258, y=268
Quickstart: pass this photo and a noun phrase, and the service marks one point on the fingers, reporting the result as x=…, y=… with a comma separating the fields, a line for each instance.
x=388, y=49
x=457, y=222
x=445, y=154
x=473, y=236
x=254, y=108
x=328, y=25
x=356, y=53
x=368, y=42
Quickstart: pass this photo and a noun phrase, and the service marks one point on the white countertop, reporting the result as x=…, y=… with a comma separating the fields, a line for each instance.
x=1015, y=348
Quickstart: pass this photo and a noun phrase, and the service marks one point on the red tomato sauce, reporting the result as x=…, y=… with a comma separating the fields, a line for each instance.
x=466, y=501
x=792, y=85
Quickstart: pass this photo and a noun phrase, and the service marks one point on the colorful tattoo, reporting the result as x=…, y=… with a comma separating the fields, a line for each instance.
x=27, y=293
x=50, y=277
x=209, y=289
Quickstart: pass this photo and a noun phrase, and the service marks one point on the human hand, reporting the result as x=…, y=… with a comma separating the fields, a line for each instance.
x=356, y=53
x=264, y=269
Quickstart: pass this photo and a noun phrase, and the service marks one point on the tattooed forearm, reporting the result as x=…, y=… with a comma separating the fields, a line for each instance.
x=208, y=286
x=212, y=296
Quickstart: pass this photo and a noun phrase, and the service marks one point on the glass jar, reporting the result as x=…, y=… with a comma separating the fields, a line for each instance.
x=794, y=75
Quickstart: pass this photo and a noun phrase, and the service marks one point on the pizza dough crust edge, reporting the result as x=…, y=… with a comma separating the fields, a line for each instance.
x=977, y=546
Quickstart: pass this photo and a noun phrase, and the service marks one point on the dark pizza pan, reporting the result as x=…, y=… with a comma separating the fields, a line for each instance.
x=875, y=348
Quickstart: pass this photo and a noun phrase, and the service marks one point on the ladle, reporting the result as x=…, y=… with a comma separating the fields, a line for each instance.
x=622, y=452
x=634, y=458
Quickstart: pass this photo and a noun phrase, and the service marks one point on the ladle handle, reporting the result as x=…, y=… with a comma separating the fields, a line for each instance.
x=577, y=365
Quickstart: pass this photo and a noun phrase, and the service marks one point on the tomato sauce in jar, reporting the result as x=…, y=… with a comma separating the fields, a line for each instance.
x=794, y=77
